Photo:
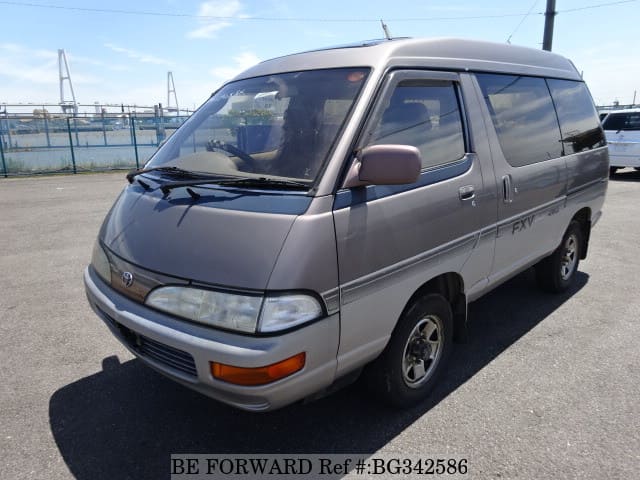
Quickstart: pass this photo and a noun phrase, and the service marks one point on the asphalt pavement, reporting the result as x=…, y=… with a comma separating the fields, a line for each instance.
x=548, y=386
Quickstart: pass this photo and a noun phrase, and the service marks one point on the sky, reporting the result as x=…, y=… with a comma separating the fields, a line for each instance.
x=123, y=55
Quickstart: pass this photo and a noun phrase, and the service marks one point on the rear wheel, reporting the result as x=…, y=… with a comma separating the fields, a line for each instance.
x=556, y=272
x=416, y=354
x=613, y=170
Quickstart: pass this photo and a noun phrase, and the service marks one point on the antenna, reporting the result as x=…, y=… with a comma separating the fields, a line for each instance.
x=66, y=105
x=385, y=29
x=522, y=21
x=171, y=88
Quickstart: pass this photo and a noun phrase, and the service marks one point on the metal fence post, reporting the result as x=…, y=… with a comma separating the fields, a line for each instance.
x=4, y=165
x=46, y=129
x=135, y=140
x=104, y=129
x=73, y=155
x=6, y=119
x=160, y=131
x=75, y=126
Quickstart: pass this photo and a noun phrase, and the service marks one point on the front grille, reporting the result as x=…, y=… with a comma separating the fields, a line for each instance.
x=156, y=351
x=166, y=355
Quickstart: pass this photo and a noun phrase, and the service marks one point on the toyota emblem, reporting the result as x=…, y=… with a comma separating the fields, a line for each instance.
x=127, y=279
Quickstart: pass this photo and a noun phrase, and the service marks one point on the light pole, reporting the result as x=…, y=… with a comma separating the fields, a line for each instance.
x=549, y=17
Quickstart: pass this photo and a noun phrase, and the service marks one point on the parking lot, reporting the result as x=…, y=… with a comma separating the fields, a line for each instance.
x=547, y=386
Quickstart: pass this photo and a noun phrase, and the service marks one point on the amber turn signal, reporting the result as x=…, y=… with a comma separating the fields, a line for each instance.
x=258, y=375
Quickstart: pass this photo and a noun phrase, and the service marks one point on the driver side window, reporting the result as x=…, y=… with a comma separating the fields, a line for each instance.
x=426, y=115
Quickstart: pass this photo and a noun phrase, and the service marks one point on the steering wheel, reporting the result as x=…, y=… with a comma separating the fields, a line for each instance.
x=227, y=147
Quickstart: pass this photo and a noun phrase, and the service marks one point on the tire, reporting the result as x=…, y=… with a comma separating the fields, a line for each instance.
x=612, y=171
x=556, y=272
x=416, y=354
x=636, y=168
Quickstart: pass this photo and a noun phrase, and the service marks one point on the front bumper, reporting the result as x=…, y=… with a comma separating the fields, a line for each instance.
x=182, y=350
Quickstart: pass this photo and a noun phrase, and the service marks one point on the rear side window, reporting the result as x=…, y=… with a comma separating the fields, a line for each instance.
x=523, y=116
x=426, y=115
x=579, y=122
x=622, y=121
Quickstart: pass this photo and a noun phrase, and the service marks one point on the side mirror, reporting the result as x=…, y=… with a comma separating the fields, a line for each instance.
x=385, y=165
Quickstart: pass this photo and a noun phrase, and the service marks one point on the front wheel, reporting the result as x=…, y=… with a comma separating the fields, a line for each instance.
x=555, y=273
x=416, y=354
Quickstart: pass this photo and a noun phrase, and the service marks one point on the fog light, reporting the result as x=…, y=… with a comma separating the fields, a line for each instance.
x=258, y=375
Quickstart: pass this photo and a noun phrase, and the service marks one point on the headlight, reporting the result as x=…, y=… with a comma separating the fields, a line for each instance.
x=286, y=311
x=100, y=262
x=236, y=312
x=226, y=310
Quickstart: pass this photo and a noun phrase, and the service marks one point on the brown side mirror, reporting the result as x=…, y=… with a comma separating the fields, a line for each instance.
x=385, y=165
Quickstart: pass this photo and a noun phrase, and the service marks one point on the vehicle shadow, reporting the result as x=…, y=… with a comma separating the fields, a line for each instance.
x=125, y=421
x=626, y=175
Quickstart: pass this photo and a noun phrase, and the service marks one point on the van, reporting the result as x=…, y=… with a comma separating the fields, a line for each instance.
x=332, y=213
x=622, y=131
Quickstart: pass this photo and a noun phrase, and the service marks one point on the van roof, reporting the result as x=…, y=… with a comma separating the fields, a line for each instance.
x=621, y=110
x=436, y=53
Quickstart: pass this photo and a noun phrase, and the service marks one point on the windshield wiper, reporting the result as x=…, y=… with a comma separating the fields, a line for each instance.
x=166, y=187
x=173, y=170
x=264, y=182
x=229, y=180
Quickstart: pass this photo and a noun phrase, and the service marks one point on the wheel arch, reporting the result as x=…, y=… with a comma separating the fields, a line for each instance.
x=451, y=286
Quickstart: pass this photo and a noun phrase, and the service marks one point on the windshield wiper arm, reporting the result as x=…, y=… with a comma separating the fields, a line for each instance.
x=175, y=170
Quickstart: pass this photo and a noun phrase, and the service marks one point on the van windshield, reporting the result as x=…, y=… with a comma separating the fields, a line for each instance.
x=622, y=121
x=280, y=125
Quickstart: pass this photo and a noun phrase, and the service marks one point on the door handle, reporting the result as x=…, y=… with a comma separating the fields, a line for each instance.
x=467, y=192
x=507, y=192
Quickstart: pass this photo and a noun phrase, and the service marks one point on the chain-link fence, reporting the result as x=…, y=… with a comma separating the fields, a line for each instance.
x=30, y=145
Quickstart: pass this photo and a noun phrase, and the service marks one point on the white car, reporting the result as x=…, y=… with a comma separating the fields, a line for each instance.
x=622, y=129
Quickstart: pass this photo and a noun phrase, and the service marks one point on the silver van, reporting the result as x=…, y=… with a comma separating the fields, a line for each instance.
x=334, y=212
